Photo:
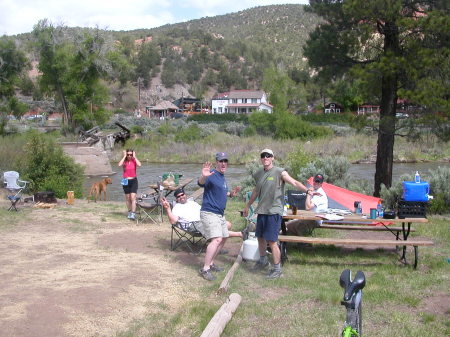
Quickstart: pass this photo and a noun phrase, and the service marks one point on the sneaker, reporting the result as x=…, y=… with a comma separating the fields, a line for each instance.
x=206, y=274
x=215, y=268
x=132, y=216
x=274, y=273
x=129, y=215
x=258, y=266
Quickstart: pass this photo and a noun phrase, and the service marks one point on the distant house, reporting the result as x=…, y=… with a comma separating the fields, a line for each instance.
x=367, y=108
x=188, y=105
x=163, y=109
x=333, y=108
x=241, y=102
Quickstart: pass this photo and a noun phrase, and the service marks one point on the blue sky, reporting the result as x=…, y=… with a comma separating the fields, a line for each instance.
x=19, y=16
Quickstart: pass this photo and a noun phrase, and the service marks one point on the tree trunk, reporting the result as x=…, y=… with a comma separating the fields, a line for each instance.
x=386, y=129
x=67, y=118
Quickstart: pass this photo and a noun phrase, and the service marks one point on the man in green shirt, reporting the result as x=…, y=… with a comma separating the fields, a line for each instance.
x=269, y=190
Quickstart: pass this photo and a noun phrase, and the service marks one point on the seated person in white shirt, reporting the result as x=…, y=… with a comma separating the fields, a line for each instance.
x=316, y=201
x=186, y=213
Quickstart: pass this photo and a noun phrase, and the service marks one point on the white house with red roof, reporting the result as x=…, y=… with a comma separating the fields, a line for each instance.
x=241, y=102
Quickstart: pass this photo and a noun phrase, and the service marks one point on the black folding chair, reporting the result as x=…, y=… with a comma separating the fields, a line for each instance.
x=152, y=212
x=193, y=240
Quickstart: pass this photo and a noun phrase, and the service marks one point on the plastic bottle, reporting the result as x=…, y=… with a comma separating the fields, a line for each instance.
x=380, y=211
x=417, y=177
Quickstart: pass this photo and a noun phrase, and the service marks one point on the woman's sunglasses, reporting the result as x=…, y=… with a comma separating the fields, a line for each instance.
x=266, y=155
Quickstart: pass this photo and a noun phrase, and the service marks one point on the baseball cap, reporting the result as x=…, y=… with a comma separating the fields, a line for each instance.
x=178, y=191
x=319, y=178
x=221, y=156
x=269, y=151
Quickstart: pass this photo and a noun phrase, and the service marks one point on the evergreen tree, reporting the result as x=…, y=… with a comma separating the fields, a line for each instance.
x=400, y=44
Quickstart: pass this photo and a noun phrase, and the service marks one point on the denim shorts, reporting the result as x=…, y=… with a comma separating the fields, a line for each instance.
x=268, y=226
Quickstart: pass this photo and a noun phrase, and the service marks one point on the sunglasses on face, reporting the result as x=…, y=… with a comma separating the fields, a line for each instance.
x=179, y=195
x=317, y=181
x=266, y=155
x=129, y=154
x=223, y=161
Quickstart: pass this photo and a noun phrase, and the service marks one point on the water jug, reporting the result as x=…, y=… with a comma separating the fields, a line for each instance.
x=250, y=251
x=413, y=191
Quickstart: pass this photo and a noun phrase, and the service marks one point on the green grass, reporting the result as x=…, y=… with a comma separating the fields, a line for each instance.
x=306, y=301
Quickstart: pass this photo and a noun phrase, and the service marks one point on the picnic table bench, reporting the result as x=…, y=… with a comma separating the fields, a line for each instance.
x=353, y=222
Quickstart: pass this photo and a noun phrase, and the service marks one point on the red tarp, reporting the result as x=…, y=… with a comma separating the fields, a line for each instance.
x=342, y=198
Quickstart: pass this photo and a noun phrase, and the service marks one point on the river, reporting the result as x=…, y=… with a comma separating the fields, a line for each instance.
x=149, y=173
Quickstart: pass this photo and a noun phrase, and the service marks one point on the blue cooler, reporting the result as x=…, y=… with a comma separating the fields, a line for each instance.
x=413, y=191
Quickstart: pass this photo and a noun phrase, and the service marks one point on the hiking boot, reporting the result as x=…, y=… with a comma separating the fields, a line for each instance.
x=206, y=274
x=258, y=266
x=215, y=268
x=132, y=216
x=274, y=273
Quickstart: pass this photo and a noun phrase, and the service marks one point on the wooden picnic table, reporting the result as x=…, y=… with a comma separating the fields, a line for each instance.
x=357, y=222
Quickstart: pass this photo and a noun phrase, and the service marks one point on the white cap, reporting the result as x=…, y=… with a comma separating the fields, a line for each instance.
x=269, y=151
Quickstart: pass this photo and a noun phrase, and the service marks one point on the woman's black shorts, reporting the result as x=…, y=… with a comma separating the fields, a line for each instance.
x=132, y=186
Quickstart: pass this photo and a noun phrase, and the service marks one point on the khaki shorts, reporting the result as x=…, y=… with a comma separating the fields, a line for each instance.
x=213, y=225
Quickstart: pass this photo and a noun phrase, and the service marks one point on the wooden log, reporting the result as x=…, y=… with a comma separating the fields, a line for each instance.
x=222, y=316
x=225, y=285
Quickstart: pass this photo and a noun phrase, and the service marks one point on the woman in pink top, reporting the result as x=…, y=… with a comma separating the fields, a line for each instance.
x=130, y=163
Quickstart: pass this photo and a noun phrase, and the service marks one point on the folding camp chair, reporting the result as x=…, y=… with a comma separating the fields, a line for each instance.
x=152, y=212
x=16, y=186
x=193, y=240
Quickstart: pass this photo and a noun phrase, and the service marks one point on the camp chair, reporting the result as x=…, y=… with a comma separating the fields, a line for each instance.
x=146, y=212
x=193, y=240
x=16, y=186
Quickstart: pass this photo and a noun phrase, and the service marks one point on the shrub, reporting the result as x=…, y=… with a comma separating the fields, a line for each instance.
x=288, y=126
x=327, y=118
x=189, y=134
x=439, y=180
x=297, y=160
x=334, y=170
x=234, y=128
x=48, y=168
x=219, y=118
x=263, y=122
x=249, y=131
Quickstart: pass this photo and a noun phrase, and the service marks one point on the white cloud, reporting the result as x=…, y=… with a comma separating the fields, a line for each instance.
x=19, y=16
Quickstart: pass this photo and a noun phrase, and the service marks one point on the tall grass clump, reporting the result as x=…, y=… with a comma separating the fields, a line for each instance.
x=48, y=168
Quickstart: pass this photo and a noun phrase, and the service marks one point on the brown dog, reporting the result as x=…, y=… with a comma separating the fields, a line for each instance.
x=98, y=188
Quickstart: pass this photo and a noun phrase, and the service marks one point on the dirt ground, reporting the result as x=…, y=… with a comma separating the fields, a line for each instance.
x=85, y=270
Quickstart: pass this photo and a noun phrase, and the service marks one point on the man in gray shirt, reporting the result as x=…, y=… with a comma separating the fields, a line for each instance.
x=269, y=189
